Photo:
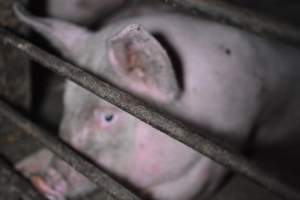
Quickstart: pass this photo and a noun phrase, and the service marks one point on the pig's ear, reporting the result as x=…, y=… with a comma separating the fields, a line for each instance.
x=140, y=59
x=65, y=36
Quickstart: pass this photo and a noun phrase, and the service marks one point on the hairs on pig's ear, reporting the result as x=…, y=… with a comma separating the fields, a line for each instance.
x=65, y=36
x=139, y=58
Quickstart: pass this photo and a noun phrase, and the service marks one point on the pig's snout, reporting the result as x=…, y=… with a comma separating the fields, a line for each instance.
x=52, y=186
x=40, y=184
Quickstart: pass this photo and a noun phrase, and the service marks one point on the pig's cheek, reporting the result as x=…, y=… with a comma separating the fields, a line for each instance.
x=80, y=137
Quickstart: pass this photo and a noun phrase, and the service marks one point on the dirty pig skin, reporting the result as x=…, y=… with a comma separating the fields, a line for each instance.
x=229, y=80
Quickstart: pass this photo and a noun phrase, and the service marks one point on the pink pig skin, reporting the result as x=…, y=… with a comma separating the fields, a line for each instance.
x=83, y=12
x=231, y=80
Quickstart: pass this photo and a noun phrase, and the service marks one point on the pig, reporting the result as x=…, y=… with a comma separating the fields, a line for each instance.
x=209, y=75
x=83, y=12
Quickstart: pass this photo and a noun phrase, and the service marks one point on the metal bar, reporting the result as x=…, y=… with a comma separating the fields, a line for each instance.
x=15, y=186
x=139, y=109
x=74, y=159
x=240, y=17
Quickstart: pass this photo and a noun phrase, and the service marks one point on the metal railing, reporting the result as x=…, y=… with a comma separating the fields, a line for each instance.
x=193, y=138
x=240, y=17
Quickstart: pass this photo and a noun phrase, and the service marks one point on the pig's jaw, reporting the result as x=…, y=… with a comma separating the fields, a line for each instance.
x=153, y=162
x=203, y=174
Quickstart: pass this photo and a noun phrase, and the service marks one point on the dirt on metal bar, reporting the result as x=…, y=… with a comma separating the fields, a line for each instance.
x=194, y=138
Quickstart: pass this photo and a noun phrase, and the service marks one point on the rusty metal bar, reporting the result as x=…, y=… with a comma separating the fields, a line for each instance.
x=139, y=109
x=74, y=159
x=240, y=17
x=15, y=186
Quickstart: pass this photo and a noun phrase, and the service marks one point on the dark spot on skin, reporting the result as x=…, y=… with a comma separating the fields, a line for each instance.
x=226, y=50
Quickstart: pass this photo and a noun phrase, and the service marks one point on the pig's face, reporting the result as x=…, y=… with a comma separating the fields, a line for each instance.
x=120, y=143
x=94, y=126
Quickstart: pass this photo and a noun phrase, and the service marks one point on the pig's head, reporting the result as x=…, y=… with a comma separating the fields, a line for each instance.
x=134, y=60
x=144, y=157
x=129, y=57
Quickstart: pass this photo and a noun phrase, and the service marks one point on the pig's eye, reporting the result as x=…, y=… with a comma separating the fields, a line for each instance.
x=107, y=119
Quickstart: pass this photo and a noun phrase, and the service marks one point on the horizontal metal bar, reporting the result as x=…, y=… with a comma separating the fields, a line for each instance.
x=74, y=159
x=241, y=17
x=13, y=185
x=141, y=110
